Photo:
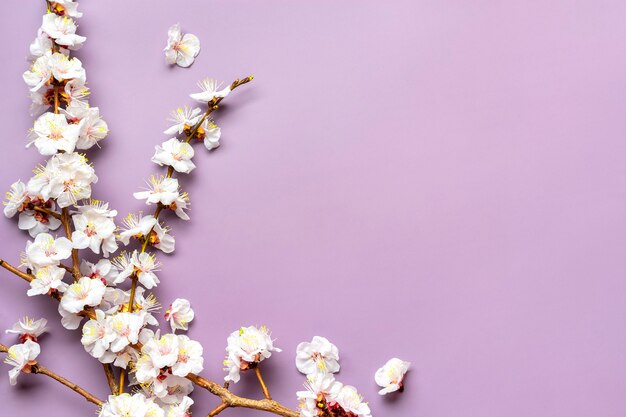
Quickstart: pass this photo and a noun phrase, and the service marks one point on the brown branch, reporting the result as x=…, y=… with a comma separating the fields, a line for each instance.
x=40, y=369
x=47, y=211
x=108, y=371
x=266, y=391
x=65, y=219
x=218, y=409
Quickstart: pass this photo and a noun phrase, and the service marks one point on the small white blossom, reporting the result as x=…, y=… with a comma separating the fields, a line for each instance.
x=52, y=134
x=39, y=74
x=317, y=356
x=47, y=251
x=176, y=154
x=70, y=321
x=22, y=358
x=92, y=129
x=163, y=351
x=189, y=359
x=320, y=388
x=180, y=314
x=16, y=199
x=66, y=68
x=85, y=292
x=102, y=270
x=67, y=177
x=181, y=49
x=210, y=90
x=41, y=45
x=136, y=226
x=161, y=189
x=210, y=134
x=245, y=348
x=181, y=409
x=127, y=405
x=35, y=222
x=97, y=335
x=391, y=376
x=351, y=401
x=65, y=8
x=172, y=389
x=47, y=279
x=126, y=327
x=28, y=329
x=183, y=119
x=63, y=30
x=94, y=227
x=143, y=264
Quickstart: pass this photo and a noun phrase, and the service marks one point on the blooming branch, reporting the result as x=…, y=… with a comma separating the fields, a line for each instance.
x=40, y=369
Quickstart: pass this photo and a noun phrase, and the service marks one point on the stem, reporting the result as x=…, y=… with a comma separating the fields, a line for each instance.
x=266, y=392
x=47, y=211
x=65, y=219
x=108, y=371
x=40, y=369
x=218, y=409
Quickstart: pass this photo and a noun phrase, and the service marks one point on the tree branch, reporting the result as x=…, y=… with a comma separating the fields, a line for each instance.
x=40, y=369
x=266, y=391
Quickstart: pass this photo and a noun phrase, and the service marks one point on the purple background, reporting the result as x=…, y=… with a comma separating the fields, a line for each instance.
x=442, y=181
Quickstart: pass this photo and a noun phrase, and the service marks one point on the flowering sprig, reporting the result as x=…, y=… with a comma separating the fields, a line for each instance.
x=109, y=299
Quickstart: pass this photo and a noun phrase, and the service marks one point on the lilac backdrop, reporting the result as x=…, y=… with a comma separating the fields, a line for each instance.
x=439, y=180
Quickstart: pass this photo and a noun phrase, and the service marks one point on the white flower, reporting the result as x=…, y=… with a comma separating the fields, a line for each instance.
x=181, y=409
x=352, y=402
x=63, y=30
x=146, y=304
x=65, y=8
x=183, y=119
x=246, y=347
x=94, y=228
x=320, y=388
x=47, y=279
x=16, y=199
x=163, y=351
x=143, y=264
x=161, y=239
x=180, y=314
x=180, y=205
x=176, y=154
x=390, y=377
x=210, y=134
x=22, y=358
x=127, y=405
x=210, y=90
x=145, y=369
x=36, y=222
x=66, y=68
x=76, y=93
x=39, y=73
x=28, y=329
x=85, y=292
x=126, y=327
x=317, y=356
x=92, y=129
x=161, y=189
x=103, y=270
x=52, y=133
x=181, y=49
x=66, y=177
x=46, y=250
x=136, y=226
x=189, y=358
x=172, y=389
x=70, y=321
x=97, y=335
x=42, y=45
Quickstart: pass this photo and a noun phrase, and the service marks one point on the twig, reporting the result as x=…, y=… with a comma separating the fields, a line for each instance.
x=218, y=409
x=40, y=369
x=47, y=211
x=266, y=392
x=108, y=371
x=65, y=219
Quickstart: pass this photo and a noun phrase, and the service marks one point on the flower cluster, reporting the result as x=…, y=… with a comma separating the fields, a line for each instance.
x=325, y=396
x=22, y=356
x=111, y=292
x=245, y=349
